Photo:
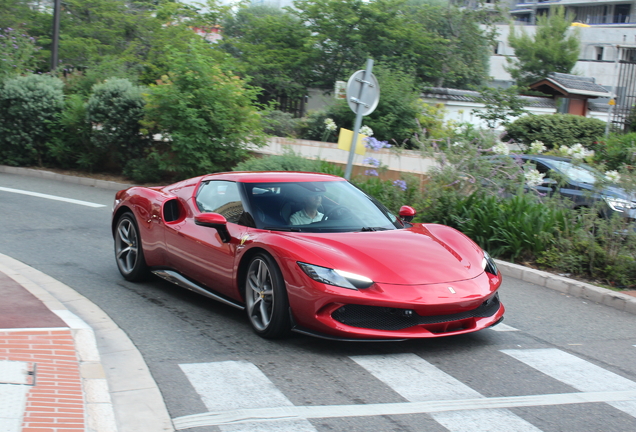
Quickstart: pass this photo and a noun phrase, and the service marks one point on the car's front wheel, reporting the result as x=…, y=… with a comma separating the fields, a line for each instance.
x=266, y=298
x=128, y=251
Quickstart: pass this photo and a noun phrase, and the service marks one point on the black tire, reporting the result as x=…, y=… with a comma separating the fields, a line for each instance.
x=266, y=299
x=129, y=253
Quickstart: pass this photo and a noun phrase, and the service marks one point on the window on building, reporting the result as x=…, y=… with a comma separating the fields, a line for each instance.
x=599, y=53
x=621, y=13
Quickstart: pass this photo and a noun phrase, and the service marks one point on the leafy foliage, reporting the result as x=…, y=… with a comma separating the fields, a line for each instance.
x=114, y=111
x=555, y=130
x=17, y=51
x=28, y=107
x=551, y=50
x=273, y=48
x=500, y=106
x=395, y=117
x=204, y=113
x=615, y=151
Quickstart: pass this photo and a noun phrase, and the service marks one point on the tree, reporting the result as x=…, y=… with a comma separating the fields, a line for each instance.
x=273, y=49
x=500, y=106
x=204, y=113
x=551, y=50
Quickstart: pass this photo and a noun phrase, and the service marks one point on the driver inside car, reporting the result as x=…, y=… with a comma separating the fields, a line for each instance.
x=309, y=213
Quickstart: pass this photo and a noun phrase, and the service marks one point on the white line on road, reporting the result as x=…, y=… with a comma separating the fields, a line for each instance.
x=238, y=385
x=503, y=328
x=51, y=197
x=417, y=380
x=576, y=372
x=428, y=407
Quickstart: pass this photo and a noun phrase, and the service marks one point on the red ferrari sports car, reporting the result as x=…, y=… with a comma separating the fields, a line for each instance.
x=308, y=253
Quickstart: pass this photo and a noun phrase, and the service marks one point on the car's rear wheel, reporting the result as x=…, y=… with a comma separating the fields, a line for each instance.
x=128, y=251
x=266, y=298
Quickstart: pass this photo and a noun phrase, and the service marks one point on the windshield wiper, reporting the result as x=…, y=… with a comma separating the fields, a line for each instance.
x=363, y=229
x=283, y=229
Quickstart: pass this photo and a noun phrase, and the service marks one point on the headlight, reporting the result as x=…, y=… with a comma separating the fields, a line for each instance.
x=619, y=204
x=488, y=264
x=335, y=277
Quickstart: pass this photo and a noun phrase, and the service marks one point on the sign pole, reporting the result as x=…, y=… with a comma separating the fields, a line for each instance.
x=359, y=114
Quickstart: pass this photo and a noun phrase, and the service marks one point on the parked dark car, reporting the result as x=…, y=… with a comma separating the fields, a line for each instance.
x=578, y=182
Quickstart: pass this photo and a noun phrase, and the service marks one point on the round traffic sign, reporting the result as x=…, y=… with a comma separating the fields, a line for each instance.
x=363, y=93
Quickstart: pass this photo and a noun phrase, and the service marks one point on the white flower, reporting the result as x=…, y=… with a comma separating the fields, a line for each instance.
x=537, y=147
x=501, y=148
x=330, y=125
x=457, y=144
x=577, y=151
x=533, y=177
x=613, y=176
x=564, y=150
x=366, y=130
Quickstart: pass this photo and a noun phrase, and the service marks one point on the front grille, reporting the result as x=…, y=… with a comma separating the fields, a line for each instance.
x=384, y=318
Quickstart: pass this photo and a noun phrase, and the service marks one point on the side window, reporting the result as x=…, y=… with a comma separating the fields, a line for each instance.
x=220, y=197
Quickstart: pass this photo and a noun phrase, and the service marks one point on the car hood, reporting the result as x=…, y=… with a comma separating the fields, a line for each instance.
x=609, y=191
x=423, y=254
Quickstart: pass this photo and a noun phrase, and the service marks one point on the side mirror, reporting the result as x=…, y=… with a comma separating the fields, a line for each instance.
x=216, y=221
x=407, y=213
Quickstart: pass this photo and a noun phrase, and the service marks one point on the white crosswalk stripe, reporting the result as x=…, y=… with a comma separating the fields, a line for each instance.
x=503, y=328
x=239, y=396
x=235, y=385
x=576, y=372
x=417, y=380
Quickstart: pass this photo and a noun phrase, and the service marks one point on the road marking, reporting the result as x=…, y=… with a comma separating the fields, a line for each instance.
x=577, y=373
x=240, y=385
x=235, y=417
x=417, y=380
x=503, y=328
x=51, y=197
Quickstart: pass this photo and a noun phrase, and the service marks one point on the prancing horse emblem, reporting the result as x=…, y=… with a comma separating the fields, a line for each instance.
x=452, y=290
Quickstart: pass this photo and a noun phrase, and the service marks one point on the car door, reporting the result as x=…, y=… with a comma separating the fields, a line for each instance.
x=197, y=251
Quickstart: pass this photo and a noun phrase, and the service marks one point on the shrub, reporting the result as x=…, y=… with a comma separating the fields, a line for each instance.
x=28, y=108
x=288, y=161
x=114, y=111
x=280, y=124
x=615, y=151
x=205, y=114
x=71, y=145
x=16, y=52
x=555, y=130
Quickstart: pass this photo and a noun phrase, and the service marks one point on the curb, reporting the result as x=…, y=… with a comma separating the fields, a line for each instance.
x=120, y=393
x=571, y=287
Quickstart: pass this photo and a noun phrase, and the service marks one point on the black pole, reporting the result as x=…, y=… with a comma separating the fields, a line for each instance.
x=56, y=34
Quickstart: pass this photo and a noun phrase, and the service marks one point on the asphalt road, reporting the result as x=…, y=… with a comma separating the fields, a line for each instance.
x=205, y=358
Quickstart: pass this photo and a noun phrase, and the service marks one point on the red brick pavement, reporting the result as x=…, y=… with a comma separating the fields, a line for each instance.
x=31, y=333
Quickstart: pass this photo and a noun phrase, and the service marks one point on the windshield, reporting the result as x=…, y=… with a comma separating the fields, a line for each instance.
x=330, y=206
x=578, y=173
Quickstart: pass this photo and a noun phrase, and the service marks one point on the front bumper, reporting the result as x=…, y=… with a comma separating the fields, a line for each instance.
x=398, y=311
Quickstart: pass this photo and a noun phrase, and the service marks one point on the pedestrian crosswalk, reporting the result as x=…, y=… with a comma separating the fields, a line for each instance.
x=240, y=397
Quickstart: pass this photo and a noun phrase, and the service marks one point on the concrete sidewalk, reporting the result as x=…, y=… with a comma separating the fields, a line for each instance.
x=65, y=365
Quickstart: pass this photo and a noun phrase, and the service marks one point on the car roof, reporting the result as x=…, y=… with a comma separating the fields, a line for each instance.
x=272, y=177
x=545, y=158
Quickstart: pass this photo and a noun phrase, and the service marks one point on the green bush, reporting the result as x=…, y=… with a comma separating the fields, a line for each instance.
x=204, y=112
x=288, y=161
x=17, y=51
x=71, y=145
x=280, y=124
x=114, y=110
x=28, y=109
x=616, y=151
x=393, y=120
x=555, y=130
